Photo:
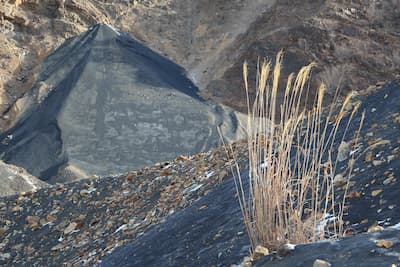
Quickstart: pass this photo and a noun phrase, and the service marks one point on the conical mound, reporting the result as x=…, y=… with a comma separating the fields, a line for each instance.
x=104, y=103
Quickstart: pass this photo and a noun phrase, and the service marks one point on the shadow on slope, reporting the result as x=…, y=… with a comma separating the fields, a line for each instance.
x=104, y=103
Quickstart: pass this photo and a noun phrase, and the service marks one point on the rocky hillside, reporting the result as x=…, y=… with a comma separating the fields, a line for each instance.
x=104, y=104
x=182, y=211
x=355, y=43
x=185, y=212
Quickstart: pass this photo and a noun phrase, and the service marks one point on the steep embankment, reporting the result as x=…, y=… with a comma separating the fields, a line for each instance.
x=104, y=103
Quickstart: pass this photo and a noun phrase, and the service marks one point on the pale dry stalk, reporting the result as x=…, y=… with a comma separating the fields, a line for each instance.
x=291, y=195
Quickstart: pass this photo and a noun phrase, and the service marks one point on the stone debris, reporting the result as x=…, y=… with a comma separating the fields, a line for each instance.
x=321, y=263
x=343, y=151
x=375, y=228
x=339, y=180
x=384, y=243
x=259, y=252
x=113, y=211
x=71, y=227
x=80, y=223
x=376, y=192
x=377, y=162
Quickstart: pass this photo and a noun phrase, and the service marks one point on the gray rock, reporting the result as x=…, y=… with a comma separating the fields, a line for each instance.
x=14, y=180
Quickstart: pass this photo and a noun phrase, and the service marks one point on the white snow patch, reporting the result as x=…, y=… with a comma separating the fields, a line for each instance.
x=291, y=246
x=354, y=151
x=192, y=188
x=323, y=223
x=121, y=228
x=195, y=188
x=209, y=174
x=396, y=226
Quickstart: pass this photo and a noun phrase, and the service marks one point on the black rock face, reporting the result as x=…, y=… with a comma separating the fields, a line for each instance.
x=113, y=105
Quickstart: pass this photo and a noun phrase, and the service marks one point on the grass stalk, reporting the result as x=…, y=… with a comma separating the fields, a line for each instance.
x=290, y=195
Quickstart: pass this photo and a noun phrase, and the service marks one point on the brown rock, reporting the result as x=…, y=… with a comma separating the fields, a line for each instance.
x=260, y=252
x=376, y=192
x=375, y=228
x=369, y=157
x=222, y=175
x=3, y=230
x=355, y=194
x=71, y=227
x=32, y=219
x=384, y=243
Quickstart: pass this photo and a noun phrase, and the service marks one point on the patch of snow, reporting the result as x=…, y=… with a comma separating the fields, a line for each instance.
x=394, y=254
x=195, y=187
x=353, y=151
x=192, y=188
x=159, y=178
x=209, y=174
x=291, y=246
x=396, y=226
x=167, y=166
x=121, y=228
x=323, y=223
x=91, y=189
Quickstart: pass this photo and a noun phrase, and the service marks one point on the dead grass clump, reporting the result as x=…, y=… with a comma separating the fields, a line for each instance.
x=291, y=195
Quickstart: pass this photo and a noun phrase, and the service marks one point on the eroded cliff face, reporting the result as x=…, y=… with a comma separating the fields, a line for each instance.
x=355, y=43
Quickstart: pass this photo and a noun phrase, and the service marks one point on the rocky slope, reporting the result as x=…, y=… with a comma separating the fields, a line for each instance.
x=104, y=103
x=355, y=43
x=128, y=219
x=185, y=212
x=211, y=233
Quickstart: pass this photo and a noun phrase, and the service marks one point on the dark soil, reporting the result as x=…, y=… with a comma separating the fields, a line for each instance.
x=213, y=236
